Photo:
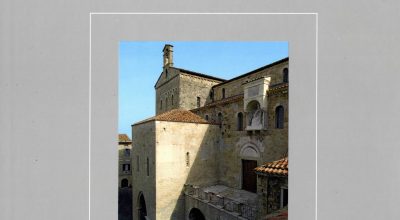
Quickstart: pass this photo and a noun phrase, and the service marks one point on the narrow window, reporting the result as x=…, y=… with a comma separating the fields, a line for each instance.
x=206, y=117
x=223, y=93
x=127, y=152
x=220, y=119
x=126, y=167
x=166, y=73
x=198, y=102
x=279, y=117
x=137, y=163
x=240, y=122
x=187, y=159
x=161, y=104
x=148, y=167
x=172, y=100
x=166, y=103
x=286, y=75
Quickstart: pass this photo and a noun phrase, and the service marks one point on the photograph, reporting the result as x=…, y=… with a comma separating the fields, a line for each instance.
x=203, y=130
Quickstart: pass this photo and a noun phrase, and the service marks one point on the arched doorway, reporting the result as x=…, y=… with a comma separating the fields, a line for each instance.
x=249, y=155
x=124, y=183
x=142, y=211
x=195, y=214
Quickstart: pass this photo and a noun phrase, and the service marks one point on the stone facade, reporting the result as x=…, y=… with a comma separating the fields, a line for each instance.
x=246, y=124
x=124, y=161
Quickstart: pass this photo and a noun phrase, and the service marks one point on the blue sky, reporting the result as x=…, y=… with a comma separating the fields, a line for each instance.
x=140, y=64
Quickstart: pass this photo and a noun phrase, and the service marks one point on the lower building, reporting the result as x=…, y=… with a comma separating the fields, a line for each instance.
x=124, y=161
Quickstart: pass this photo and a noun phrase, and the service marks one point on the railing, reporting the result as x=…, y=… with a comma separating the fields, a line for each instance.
x=248, y=211
x=240, y=209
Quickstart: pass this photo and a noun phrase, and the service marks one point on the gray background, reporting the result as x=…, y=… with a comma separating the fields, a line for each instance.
x=109, y=29
x=44, y=90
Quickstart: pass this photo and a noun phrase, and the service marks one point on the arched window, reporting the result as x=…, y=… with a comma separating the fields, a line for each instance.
x=126, y=167
x=279, y=116
x=166, y=102
x=127, y=152
x=285, y=75
x=172, y=100
x=206, y=117
x=124, y=183
x=148, y=167
x=137, y=163
x=187, y=159
x=161, y=104
x=142, y=210
x=166, y=73
x=223, y=93
x=220, y=119
x=240, y=121
x=198, y=102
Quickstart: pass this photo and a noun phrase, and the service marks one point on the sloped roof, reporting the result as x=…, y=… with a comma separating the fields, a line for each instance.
x=278, y=167
x=254, y=71
x=193, y=73
x=123, y=138
x=199, y=74
x=176, y=115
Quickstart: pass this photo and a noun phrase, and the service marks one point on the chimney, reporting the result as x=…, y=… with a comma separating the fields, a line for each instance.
x=168, y=55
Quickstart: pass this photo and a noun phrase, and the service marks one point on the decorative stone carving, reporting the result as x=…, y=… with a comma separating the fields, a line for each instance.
x=255, y=102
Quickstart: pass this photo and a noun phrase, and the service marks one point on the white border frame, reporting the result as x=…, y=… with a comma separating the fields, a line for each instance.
x=206, y=13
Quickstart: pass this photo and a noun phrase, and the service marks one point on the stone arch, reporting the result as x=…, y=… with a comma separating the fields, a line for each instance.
x=141, y=207
x=124, y=183
x=252, y=106
x=196, y=214
x=255, y=115
x=250, y=150
x=249, y=157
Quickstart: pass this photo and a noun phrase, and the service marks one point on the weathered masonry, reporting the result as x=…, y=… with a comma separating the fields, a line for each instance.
x=196, y=159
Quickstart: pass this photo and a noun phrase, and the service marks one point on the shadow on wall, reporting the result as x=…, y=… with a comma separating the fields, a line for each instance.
x=125, y=203
x=201, y=164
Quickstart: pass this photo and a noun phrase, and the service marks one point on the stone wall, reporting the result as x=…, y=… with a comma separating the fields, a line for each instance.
x=185, y=153
x=124, y=158
x=192, y=87
x=235, y=87
x=183, y=89
x=271, y=143
x=215, y=152
x=269, y=193
x=167, y=90
x=144, y=147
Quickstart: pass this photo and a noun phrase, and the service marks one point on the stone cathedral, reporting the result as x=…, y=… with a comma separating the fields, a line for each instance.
x=216, y=149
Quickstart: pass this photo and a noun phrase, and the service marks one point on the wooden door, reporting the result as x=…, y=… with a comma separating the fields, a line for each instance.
x=249, y=177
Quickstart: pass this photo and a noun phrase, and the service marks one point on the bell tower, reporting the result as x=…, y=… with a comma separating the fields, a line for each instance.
x=168, y=56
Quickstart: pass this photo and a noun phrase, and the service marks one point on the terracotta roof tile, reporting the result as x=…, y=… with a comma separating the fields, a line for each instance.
x=278, y=167
x=124, y=138
x=281, y=214
x=177, y=115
